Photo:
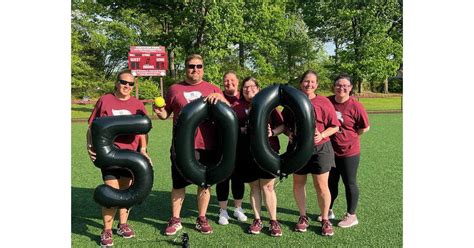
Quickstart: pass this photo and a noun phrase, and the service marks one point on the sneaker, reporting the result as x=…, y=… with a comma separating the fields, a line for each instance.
x=331, y=216
x=275, y=228
x=106, y=238
x=223, y=217
x=125, y=231
x=348, y=221
x=174, y=225
x=302, y=224
x=239, y=214
x=202, y=225
x=256, y=226
x=327, y=228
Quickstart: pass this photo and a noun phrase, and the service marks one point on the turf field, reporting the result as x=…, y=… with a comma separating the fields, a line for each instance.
x=379, y=211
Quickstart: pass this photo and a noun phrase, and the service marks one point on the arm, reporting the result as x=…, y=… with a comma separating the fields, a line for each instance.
x=363, y=130
x=318, y=136
x=90, y=149
x=161, y=112
x=276, y=131
x=143, y=146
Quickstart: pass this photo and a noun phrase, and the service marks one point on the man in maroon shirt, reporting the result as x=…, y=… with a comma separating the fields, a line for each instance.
x=178, y=96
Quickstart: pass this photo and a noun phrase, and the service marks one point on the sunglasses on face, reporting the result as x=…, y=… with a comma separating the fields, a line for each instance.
x=123, y=82
x=192, y=66
x=340, y=86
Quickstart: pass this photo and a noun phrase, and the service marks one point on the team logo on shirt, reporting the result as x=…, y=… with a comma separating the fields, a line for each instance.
x=191, y=96
x=116, y=112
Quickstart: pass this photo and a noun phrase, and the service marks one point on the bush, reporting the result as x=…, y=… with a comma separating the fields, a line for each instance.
x=395, y=85
x=147, y=89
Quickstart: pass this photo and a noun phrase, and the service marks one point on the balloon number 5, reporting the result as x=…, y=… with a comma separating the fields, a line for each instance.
x=104, y=130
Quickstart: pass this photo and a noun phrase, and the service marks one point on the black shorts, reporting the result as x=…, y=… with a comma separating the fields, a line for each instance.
x=321, y=162
x=205, y=157
x=115, y=173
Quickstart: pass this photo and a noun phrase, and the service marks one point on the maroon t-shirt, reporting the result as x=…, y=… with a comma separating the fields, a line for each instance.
x=109, y=105
x=232, y=99
x=242, y=107
x=352, y=116
x=325, y=116
x=179, y=95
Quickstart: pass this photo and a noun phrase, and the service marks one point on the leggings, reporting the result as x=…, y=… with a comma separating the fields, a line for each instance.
x=238, y=188
x=346, y=167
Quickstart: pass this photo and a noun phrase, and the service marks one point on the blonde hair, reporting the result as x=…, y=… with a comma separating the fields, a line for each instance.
x=193, y=56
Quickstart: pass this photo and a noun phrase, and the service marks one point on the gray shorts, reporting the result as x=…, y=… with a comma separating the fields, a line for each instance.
x=321, y=162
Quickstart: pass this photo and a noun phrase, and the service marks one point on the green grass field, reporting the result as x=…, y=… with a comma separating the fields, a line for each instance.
x=379, y=210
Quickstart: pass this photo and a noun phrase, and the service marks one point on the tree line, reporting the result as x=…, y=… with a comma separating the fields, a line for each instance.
x=275, y=41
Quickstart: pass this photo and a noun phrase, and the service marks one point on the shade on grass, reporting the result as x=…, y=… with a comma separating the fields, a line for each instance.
x=379, y=210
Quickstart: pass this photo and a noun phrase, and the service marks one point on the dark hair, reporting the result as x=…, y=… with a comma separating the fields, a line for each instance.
x=193, y=56
x=346, y=76
x=306, y=74
x=126, y=71
x=230, y=72
x=245, y=81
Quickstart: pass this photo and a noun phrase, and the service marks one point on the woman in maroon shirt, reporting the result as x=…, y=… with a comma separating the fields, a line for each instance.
x=354, y=122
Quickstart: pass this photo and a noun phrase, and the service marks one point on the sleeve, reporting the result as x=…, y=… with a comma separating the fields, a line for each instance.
x=96, y=111
x=332, y=120
x=141, y=108
x=362, y=118
x=277, y=118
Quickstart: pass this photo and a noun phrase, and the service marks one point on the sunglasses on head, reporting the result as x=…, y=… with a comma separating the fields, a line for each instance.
x=123, y=82
x=191, y=66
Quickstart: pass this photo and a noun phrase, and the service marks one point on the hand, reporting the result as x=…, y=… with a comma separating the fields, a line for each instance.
x=92, y=154
x=270, y=131
x=158, y=111
x=291, y=135
x=213, y=98
x=144, y=153
x=243, y=130
x=318, y=136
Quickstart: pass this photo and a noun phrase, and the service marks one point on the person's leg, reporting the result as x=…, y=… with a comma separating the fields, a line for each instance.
x=124, y=183
x=177, y=198
x=333, y=183
x=109, y=213
x=204, y=195
x=256, y=198
x=222, y=193
x=324, y=196
x=349, y=178
x=299, y=192
x=268, y=189
x=238, y=190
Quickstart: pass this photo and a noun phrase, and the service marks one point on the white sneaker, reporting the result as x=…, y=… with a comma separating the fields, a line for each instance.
x=331, y=216
x=223, y=217
x=239, y=214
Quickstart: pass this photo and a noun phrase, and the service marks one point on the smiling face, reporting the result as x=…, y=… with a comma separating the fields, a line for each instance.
x=194, y=71
x=309, y=84
x=231, y=84
x=124, y=86
x=342, y=88
x=249, y=90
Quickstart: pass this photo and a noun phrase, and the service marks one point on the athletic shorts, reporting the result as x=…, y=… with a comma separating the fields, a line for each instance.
x=321, y=162
x=205, y=157
x=115, y=173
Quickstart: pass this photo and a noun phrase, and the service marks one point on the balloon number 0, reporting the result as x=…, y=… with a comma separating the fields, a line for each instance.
x=104, y=130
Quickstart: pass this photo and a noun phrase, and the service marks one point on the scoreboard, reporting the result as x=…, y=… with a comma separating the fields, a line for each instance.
x=148, y=60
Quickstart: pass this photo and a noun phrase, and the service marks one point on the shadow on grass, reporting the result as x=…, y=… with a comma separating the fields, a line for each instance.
x=154, y=211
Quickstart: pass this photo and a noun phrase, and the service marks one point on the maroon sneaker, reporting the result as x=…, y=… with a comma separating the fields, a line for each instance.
x=327, y=228
x=174, y=225
x=275, y=228
x=202, y=225
x=125, y=231
x=302, y=224
x=106, y=238
x=256, y=226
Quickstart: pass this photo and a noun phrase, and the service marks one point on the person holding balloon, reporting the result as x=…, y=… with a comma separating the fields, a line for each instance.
x=206, y=148
x=119, y=102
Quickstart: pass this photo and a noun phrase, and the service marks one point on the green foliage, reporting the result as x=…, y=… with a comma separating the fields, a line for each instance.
x=147, y=89
x=272, y=41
